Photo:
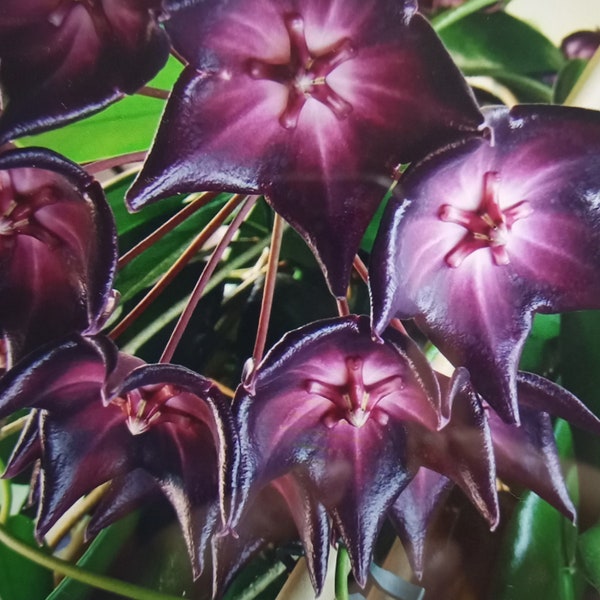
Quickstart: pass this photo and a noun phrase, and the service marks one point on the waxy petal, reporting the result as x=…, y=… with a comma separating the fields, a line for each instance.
x=278, y=513
x=312, y=104
x=57, y=250
x=413, y=511
x=488, y=232
x=333, y=407
x=60, y=61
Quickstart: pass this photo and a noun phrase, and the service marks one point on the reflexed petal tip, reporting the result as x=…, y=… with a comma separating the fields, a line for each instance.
x=61, y=62
x=313, y=106
x=58, y=249
x=486, y=233
x=332, y=407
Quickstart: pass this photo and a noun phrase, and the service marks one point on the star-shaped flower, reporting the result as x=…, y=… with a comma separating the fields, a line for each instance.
x=311, y=102
x=490, y=231
x=64, y=59
x=58, y=251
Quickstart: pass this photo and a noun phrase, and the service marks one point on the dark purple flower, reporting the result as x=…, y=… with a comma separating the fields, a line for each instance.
x=490, y=231
x=581, y=44
x=58, y=251
x=281, y=512
x=64, y=59
x=310, y=102
x=524, y=455
x=106, y=416
x=353, y=420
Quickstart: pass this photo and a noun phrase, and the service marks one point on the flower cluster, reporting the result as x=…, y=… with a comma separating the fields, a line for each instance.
x=343, y=425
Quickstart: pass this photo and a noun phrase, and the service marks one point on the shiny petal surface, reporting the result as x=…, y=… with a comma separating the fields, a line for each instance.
x=332, y=405
x=413, y=510
x=64, y=60
x=57, y=250
x=488, y=232
x=311, y=103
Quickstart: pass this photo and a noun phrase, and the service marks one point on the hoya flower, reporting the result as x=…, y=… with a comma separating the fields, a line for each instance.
x=281, y=512
x=490, y=231
x=58, y=251
x=347, y=417
x=104, y=416
x=64, y=59
x=311, y=102
x=524, y=455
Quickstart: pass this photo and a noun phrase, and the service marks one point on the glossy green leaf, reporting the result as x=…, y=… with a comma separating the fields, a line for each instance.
x=567, y=78
x=589, y=554
x=97, y=558
x=580, y=361
x=539, y=354
x=483, y=42
x=21, y=579
x=537, y=555
x=126, y=126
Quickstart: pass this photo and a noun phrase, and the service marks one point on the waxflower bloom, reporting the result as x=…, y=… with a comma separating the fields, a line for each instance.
x=346, y=417
x=105, y=416
x=490, y=231
x=524, y=455
x=312, y=103
x=58, y=251
x=64, y=59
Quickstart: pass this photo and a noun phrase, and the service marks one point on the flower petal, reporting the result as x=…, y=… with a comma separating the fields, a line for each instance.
x=60, y=62
x=489, y=231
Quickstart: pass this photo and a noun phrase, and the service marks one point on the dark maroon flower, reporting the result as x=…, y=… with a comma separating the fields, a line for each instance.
x=350, y=419
x=310, y=102
x=64, y=59
x=106, y=416
x=490, y=231
x=581, y=44
x=279, y=513
x=524, y=455
x=58, y=251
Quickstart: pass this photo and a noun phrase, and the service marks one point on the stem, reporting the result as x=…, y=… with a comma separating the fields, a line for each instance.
x=342, y=306
x=195, y=202
x=268, y=291
x=5, y=497
x=453, y=15
x=586, y=92
x=172, y=313
x=342, y=570
x=102, y=582
x=114, y=161
x=361, y=269
x=13, y=427
x=211, y=265
x=177, y=266
x=262, y=583
x=74, y=515
x=152, y=92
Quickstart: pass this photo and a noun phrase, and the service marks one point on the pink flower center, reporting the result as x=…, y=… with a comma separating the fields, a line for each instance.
x=487, y=227
x=143, y=407
x=305, y=75
x=18, y=218
x=354, y=401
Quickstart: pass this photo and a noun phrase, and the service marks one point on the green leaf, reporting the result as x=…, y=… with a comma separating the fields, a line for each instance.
x=145, y=269
x=97, y=558
x=580, y=357
x=537, y=555
x=589, y=555
x=540, y=348
x=124, y=127
x=567, y=78
x=482, y=42
x=21, y=579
